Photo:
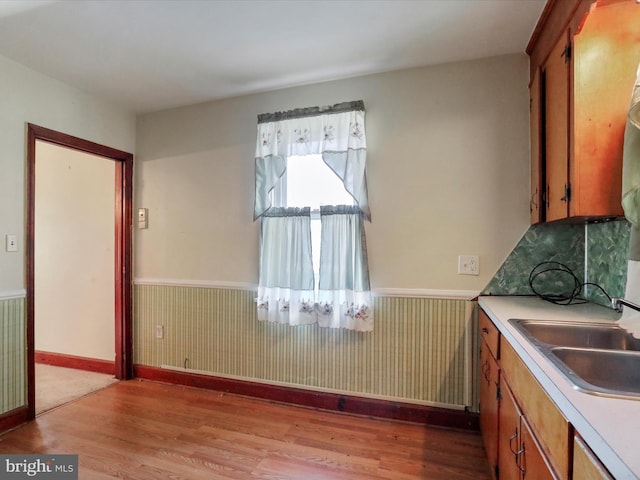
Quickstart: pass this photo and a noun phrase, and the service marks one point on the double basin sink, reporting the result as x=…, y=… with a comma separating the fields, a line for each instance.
x=597, y=358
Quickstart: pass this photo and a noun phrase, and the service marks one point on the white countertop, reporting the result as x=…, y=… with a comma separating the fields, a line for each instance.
x=610, y=426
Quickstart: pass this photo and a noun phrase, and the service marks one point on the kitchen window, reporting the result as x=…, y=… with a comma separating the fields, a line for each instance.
x=309, y=182
x=311, y=200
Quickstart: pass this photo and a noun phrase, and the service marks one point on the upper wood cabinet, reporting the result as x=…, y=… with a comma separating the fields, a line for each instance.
x=584, y=55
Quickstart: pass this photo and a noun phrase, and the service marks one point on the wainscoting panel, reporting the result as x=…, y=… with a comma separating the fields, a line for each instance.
x=12, y=354
x=419, y=352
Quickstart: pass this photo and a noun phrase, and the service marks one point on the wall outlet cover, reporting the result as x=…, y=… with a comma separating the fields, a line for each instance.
x=468, y=265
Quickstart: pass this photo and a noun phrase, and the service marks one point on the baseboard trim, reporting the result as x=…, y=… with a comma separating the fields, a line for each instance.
x=73, y=361
x=434, y=416
x=13, y=418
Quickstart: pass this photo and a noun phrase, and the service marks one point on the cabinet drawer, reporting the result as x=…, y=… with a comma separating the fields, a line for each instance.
x=547, y=423
x=489, y=333
x=585, y=464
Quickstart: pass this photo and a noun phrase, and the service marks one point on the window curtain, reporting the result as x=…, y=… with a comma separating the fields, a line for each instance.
x=286, y=285
x=344, y=297
x=336, y=132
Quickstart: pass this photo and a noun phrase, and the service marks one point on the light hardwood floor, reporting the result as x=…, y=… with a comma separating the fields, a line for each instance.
x=149, y=430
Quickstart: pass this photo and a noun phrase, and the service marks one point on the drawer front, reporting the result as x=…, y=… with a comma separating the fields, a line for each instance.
x=489, y=333
x=547, y=423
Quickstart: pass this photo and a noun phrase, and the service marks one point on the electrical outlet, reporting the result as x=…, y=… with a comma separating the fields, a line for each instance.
x=468, y=265
x=159, y=331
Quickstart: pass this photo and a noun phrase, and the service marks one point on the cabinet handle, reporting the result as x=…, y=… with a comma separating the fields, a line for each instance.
x=486, y=368
x=566, y=53
x=511, y=439
x=547, y=202
x=533, y=203
x=485, y=330
x=521, y=458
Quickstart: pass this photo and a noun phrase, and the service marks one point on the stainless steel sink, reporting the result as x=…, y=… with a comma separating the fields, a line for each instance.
x=578, y=334
x=597, y=358
x=605, y=372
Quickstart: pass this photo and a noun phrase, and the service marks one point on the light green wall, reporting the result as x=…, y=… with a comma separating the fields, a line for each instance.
x=448, y=166
x=30, y=97
x=448, y=157
x=74, y=221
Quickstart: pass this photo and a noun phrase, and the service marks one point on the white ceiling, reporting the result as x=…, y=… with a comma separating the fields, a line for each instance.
x=148, y=55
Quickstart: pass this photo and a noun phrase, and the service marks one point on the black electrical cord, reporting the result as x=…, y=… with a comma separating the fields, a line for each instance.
x=561, y=299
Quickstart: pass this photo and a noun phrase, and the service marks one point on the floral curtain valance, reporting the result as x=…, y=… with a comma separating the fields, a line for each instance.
x=336, y=132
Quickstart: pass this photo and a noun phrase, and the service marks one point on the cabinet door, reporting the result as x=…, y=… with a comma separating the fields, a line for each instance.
x=551, y=428
x=555, y=88
x=489, y=382
x=531, y=461
x=586, y=465
x=509, y=435
x=606, y=57
x=536, y=208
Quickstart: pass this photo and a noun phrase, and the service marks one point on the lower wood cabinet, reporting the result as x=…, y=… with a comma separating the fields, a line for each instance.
x=586, y=465
x=525, y=435
x=533, y=463
x=551, y=429
x=520, y=456
x=509, y=435
x=489, y=397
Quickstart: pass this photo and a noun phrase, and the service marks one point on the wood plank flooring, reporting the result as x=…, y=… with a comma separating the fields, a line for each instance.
x=149, y=430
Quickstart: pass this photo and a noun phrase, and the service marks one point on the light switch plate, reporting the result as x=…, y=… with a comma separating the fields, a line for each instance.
x=143, y=218
x=11, y=243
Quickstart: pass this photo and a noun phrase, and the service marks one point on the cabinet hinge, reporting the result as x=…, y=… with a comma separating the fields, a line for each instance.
x=566, y=53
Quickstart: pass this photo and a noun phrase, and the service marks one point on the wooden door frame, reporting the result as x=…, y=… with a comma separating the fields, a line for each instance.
x=122, y=250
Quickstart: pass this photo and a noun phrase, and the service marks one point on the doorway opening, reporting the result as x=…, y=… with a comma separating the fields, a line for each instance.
x=121, y=251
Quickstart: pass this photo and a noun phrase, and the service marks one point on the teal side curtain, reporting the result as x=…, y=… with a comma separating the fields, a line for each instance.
x=286, y=285
x=344, y=297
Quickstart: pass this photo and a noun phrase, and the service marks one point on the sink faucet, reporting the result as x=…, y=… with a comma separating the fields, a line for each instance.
x=617, y=303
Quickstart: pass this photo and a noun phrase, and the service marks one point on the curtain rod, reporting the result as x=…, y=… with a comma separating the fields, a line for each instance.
x=355, y=105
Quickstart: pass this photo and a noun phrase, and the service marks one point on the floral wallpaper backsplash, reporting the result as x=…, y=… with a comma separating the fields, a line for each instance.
x=606, y=260
x=601, y=248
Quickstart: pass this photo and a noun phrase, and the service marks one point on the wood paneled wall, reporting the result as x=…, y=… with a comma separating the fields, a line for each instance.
x=12, y=354
x=421, y=350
